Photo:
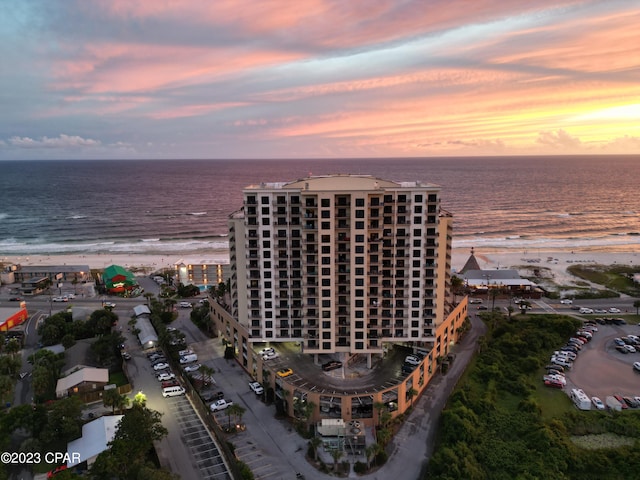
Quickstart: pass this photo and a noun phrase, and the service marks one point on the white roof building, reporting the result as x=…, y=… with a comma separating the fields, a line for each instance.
x=141, y=310
x=85, y=376
x=95, y=439
x=147, y=336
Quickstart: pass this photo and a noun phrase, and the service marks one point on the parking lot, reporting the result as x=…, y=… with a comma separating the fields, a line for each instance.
x=600, y=370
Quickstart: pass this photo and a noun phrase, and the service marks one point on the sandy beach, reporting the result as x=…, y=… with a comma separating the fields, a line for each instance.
x=555, y=263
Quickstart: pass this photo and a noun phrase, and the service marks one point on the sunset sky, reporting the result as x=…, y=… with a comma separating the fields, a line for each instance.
x=318, y=78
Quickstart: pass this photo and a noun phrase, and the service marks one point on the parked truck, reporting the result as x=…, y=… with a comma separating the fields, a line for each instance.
x=220, y=405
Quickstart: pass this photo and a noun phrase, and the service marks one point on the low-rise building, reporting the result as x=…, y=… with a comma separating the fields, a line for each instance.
x=95, y=439
x=86, y=379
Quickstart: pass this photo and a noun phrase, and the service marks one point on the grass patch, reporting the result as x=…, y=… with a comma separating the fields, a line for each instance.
x=618, y=278
x=602, y=440
x=118, y=378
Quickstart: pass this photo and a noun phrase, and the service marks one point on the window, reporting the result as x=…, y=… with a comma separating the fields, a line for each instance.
x=417, y=232
x=325, y=214
x=326, y=225
x=360, y=271
x=359, y=213
x=418, y=198
x=265, y=221
x=359, y=202
x=264, y=200
x=359, y=248
x=325, y=202
x=326, y=271
x=326, y=260
x=326, y=249
x=359, y=225
x=417, y=209
x=359, y=260
x=417, y=220
x=267, y=264
x=326, y=282
x=265, y=210
x=326, y=292
x=359, y=238
x=266, y=244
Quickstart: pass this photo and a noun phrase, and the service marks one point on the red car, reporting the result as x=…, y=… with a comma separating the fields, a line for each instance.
x=622, y=402
x=552, y=384
x=56, y=471
x=170, y=383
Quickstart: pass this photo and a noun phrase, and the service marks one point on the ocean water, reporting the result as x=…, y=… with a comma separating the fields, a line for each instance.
x=181, y=207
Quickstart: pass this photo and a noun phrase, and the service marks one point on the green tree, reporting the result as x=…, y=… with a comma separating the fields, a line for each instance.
x=412, y=392
x=315, y=442
x=207, y=374
x=336, y=454
x=236, y=411
x=6, y=387
x=379, y=407
x=111, y=398
x=457, y=284
x=13, y=346
x=64, y=423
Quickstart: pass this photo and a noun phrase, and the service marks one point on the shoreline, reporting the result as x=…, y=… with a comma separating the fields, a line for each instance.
x=556, y=260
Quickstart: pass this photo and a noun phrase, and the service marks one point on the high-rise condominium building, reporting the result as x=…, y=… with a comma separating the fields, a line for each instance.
x=340, y=263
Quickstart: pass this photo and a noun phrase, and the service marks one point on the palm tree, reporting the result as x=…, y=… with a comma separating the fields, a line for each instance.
x=379, y=406
x=148, y=296
x=456, y=285
x=510, y=310
x=337, y=455
x=412, y=392
x=235, y=410
x=315, y=442
x=111, y=398
x=371, y=452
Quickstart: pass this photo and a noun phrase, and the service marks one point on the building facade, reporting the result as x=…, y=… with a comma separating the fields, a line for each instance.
x=340, y=263
x=346, y=265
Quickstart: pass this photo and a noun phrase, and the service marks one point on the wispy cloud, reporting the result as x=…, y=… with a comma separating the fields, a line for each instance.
x=231, y=78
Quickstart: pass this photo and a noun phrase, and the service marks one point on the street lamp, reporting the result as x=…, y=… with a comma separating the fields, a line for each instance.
x=488, y=277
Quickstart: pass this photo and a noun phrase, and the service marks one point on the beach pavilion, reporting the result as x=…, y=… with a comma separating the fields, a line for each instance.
x=117, y=279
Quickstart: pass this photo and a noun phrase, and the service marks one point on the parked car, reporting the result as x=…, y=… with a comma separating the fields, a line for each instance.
x=185, y=305
x=554, y=367
x=475, y=300
x=555, y=378
x=165, y=376
x=412, y=360
x=192, y=368
x=256, y=387
x=209, y=395
x=566, y=301
x=59, y=299
x=183, y=353
x=614, y=310
x=619, y=342
x=636, y=366
x=630, y=402
x=483, y=307
x=160, y=366
x=108, y=305
x=553, y=384
x=266, y=350
x=622, y=402
x=586, y=311
x=270, y=356
x=621, y=348
x=630, y=348
x=597, y=403
x=170, y=383
x=284, y=372
x=331, y=365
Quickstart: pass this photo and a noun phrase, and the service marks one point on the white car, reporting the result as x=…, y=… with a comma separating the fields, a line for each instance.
x=412, y=360
x=597, y=403
x=630, y=348
x=59, y=299
x=160, y=366
x=614, y=310
x=256, y=387
x=183, y=353
x=566, y=301
x=266, y=351
x=269, y=356
x=109, y=305
x=585, y=310
x=636, y=366
x=185, y=305
x=163, y=377
x=192, y=368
